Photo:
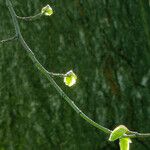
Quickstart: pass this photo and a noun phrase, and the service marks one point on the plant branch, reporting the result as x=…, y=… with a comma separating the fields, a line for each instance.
x=47, y=74
x=137, y=135
x=30, y=18
x=9, y=39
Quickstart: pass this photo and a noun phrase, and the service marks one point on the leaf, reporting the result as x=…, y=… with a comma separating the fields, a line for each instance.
x=70, y=78
x=118, y=132
x=47, y=10
x=124, y=143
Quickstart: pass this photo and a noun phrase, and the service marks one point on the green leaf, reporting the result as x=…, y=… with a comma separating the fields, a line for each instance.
x=70, y=78
x=118, y=132
x=124, y=143
x=47, y=10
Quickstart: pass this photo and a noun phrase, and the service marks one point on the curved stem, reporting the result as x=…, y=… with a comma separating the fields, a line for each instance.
x=59, y=90
x=47, y=74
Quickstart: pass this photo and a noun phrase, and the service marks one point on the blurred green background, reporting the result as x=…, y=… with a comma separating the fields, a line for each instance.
x=106, y=43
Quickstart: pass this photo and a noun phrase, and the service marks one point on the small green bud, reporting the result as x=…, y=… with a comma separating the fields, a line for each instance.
x=70, y=78
x=124, y=143
x=47, y=10
x=118, y=132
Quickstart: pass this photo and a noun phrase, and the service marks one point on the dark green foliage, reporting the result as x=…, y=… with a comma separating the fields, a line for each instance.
x=106, y=43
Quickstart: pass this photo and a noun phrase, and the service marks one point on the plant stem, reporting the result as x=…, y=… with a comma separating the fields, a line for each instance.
x=59, y=90
x=137, y=135
x=30, y=18
x=57, y=74
x=8, y=40
x=47, y=74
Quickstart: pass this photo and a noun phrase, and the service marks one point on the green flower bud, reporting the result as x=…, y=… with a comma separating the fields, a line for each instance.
x=47, y=10
x=70, y=78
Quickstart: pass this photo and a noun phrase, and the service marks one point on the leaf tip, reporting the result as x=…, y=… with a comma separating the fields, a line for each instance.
x=118, y=132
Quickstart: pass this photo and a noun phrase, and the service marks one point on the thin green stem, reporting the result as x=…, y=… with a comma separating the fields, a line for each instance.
x=57, y=74
x=47, y=74
x=30, y=18
x=8, y=40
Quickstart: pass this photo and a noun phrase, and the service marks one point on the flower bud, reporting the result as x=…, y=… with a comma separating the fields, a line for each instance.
x=47, y=10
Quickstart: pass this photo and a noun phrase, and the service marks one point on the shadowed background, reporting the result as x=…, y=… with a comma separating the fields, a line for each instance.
x=106, y=43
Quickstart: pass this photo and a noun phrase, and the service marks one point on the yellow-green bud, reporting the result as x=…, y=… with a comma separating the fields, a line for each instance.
x=70, y=78
x=47, y=10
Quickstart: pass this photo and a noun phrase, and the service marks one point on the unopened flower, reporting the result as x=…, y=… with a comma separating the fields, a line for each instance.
x=47, y=10
x=70, y=78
